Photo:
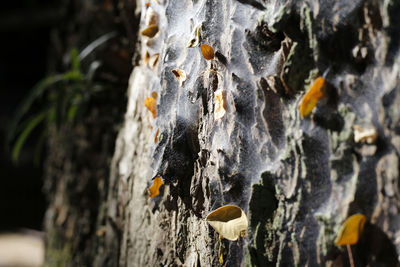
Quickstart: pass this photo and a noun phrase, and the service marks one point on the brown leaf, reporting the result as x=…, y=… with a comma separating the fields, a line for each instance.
x=208, y=52
x=154, y=190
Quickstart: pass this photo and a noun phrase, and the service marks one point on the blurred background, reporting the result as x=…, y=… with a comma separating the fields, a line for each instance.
x=23, y=62
x=58, y=60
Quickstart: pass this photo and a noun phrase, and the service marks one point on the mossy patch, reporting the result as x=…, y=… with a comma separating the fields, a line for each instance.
x=58, y=252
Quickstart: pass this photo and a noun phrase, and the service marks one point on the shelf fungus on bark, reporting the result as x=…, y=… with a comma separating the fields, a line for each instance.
x=180, y=76
x=229, y=221
x=311, y=98
x=207, y=51
x=220, y=104
x=151, y=104
x=351, y=230
x=365, y=134
x=154, y=190
x=196, y=37
x=150, y=31
x=156, y=136
x=151, y=61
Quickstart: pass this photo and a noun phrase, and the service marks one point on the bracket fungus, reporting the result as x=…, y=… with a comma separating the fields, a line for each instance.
x=151, y=104
x=196, y=37
x=220, y=106
x=156, y=136
x=351, y=230
x=311, y=98
x=154, y=190
x=151, y=61
x=229, y=221
x=150, y=31
x=207, y=51
x=180, y=76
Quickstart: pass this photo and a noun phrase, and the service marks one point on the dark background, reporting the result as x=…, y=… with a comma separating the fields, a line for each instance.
x=24, y=28
x=37, y=37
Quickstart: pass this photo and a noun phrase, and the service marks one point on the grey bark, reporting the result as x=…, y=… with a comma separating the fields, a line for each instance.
x=297, y=179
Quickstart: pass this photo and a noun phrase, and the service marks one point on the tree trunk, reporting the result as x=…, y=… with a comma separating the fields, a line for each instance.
x=296, y=178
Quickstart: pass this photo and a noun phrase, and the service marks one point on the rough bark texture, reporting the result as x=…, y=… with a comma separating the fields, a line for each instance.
x=297, y=179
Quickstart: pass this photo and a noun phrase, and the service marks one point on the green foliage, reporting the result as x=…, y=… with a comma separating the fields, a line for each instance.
x=31, y=124
x=62, y=97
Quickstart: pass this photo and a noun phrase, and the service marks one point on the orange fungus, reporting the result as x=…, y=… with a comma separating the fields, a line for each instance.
x=151, y=105
x=208, y=52
x=351, y=230
x=154, y=190
x=311, y=98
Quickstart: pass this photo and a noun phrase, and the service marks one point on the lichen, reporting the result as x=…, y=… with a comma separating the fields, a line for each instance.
x=280, y=18
x=297, y=66
x=306, y=25
x=327, y=234
x=342, y=140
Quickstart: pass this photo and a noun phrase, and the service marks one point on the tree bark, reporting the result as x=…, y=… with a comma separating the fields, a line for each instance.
x=296, y=178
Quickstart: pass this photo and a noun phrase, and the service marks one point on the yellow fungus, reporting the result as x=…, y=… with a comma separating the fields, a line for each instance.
x=351, y=230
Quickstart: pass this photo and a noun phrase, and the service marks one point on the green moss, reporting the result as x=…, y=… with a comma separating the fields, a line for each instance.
x=58, y=253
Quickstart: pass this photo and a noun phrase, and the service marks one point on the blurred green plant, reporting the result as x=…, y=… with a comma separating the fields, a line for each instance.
x=65, y=95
